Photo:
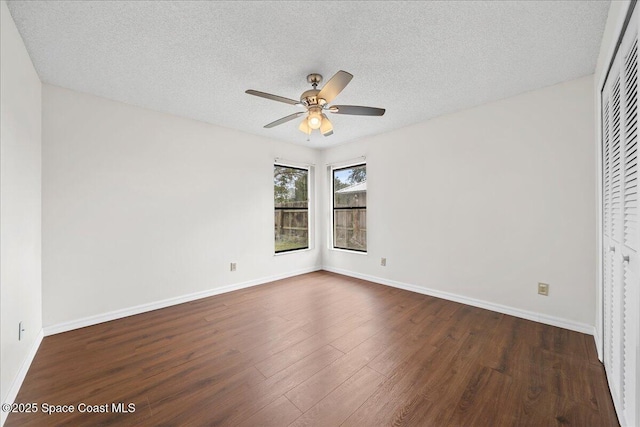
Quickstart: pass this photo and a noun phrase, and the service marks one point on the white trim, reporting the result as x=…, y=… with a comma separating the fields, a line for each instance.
x=22, y=373
x=599, y=326
x=292, y=163
x=346, y=163
x=349, y=251
x=617, y=32
x=295, y=251
x=130, y=311
x=524, y=314
x=597, y=336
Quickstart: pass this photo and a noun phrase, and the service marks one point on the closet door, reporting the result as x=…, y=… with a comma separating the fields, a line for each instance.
x=621, y=234
x=630, y=244
x=612, y=262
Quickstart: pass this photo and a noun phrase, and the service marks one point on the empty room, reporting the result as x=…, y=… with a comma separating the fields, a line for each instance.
x=319, y=213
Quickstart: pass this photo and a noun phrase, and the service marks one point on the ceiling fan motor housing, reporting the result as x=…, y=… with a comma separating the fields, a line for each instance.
x=310, y=99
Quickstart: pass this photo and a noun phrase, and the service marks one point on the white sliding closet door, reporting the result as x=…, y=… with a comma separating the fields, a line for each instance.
x=621, y=233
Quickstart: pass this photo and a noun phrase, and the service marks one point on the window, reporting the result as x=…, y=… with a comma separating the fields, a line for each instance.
x=291, y=197
x=350, y=208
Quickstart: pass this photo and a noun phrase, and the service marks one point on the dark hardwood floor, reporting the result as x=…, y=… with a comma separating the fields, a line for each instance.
x=320, y=349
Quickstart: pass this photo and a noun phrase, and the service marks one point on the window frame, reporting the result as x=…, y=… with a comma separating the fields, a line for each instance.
x=308, y=209
x=332, y=245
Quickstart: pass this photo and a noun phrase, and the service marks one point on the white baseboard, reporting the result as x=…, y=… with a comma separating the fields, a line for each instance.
x=22, y=373
x=130, y=311
x=524, y=314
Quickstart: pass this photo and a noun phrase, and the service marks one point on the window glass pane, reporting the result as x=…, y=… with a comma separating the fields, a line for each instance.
x=291, y=230
x=350, y=208
x=350, y=229
x=290, y=186
x=350, y=187
x=291, y=196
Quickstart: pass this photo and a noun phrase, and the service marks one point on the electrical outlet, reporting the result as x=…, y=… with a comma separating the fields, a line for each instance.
x=233, y=266
x=543, y=289
x=20, y=331
x=383, y=262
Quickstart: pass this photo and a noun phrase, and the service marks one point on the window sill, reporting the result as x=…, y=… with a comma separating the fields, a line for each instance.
x=348, y=251
x=291, y=252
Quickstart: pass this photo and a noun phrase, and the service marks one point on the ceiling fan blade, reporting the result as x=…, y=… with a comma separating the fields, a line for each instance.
x=326, y=128
x=335, y=85
x=357, y=110
x=272, y=97
x=285, y=119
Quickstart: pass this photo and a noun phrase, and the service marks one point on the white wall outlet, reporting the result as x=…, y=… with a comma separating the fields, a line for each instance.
x=543, y=289
x=383, y=262
x=233, y=266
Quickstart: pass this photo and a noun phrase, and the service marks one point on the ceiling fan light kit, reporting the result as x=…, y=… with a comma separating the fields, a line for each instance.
x=316, y=102
x=304, y=127
x=326, y=128
x=315, y=118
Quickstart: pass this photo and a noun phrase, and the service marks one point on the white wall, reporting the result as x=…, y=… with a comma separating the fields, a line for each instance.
x=485, y=203
x=141, y=206
x=20, y=233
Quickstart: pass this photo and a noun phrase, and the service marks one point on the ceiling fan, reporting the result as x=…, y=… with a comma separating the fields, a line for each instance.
x=316, y=102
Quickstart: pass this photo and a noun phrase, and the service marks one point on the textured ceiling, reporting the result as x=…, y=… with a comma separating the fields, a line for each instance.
x=416, y=59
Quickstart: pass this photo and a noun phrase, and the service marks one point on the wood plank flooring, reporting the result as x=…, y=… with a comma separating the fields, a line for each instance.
x=319, y=350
